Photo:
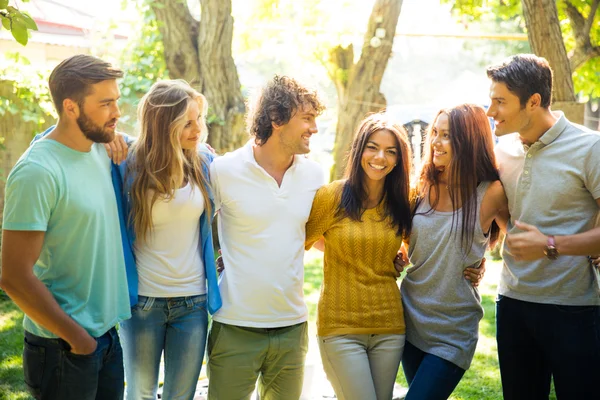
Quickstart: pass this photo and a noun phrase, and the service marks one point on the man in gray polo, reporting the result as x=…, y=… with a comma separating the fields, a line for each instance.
x=548, y=307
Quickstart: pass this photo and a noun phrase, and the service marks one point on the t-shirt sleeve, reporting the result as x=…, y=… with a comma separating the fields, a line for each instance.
x=321, y=215
x=592, y=170
x=30, y=197
x=214, y=185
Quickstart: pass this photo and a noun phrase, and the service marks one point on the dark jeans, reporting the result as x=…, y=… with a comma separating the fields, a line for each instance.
x=429, y=377
x=539, y=341
x=52, y=372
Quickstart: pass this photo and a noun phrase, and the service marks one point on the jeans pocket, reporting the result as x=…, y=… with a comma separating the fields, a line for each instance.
x=34, y=361
x=332, y=338
x=575, y=310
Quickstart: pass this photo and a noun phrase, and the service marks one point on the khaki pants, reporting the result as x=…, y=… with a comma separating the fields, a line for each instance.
x=238, y=356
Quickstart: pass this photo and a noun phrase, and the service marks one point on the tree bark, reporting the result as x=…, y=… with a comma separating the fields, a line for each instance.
x=545, y=38
x=358, y=84
x=200, y=53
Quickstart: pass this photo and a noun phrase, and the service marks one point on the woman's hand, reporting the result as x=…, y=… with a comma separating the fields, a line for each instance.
x=475, y=275
x=117, y=149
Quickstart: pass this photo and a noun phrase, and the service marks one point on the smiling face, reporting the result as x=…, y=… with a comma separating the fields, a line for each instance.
x=506, y=110
x=295, y=136
x=193, y=128
x=379, y=155
x=441, y=146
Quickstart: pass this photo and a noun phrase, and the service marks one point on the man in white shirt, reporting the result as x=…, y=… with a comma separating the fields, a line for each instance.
x=263, y=196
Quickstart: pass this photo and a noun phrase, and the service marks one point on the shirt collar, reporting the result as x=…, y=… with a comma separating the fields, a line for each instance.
x=556, y=129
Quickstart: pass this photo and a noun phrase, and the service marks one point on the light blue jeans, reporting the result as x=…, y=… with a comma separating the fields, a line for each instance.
x=362, y=367
x=175, y=325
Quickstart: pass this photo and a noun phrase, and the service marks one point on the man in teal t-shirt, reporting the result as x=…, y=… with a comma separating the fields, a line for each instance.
x=62, y=259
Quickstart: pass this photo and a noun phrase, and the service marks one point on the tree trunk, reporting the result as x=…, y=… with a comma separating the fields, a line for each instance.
x=545, y=38
x=200, y=53
x=358, y=86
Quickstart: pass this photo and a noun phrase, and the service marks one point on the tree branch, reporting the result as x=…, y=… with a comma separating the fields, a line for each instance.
x=581, y=26
x=180, y=37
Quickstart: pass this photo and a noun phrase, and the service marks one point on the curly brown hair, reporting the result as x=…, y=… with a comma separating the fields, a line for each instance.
x=278, y=102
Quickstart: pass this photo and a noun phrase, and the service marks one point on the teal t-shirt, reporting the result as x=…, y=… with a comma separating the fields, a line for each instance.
x=69, y=195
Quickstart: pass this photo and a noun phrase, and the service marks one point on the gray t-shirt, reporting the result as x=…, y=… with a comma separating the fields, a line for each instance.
x=552, y=184
x=441, y=308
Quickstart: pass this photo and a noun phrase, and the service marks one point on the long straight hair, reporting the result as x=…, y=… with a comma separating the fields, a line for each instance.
x=159, y=164
x=473, y=161
x=397, y=182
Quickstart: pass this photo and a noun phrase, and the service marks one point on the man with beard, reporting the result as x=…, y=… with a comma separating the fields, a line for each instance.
x=62, y=259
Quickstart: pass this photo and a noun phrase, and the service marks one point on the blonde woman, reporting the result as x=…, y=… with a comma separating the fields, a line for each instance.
x=168, y=206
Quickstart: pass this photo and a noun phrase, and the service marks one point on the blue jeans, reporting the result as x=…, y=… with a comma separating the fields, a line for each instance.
x=539, y=341
x=175, y=325
x=52, y=372
x=429, y=377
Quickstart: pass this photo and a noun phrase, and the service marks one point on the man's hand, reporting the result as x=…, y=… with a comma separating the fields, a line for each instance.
x=400, y=261
x=527, y=245
x=475, y=275
x=86, y=346
x=117, y=149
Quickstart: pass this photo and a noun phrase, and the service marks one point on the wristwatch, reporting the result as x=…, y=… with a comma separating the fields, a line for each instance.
x=551, y=252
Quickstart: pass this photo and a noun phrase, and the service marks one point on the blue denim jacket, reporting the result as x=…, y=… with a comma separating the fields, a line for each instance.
x=214, y=301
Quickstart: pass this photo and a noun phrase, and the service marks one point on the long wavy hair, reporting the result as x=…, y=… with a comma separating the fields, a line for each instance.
x=159, y=164
x=397, y=182
x=473, y=161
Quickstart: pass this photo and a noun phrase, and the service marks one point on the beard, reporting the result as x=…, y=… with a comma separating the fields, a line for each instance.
x=93, y=132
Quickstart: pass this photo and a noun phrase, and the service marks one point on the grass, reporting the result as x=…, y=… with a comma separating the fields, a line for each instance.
x=482, y=380
x=12, y=386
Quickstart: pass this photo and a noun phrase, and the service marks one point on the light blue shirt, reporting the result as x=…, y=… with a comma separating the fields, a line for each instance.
x=69, y=195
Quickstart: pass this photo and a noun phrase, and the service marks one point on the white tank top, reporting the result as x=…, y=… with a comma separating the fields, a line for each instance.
x=169, y=261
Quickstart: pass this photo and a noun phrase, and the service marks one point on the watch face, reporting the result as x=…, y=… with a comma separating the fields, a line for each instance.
x=551, y=253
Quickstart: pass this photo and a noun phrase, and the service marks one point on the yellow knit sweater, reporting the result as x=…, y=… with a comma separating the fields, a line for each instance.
x=359, y=294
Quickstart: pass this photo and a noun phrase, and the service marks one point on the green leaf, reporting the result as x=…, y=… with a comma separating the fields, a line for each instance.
x=29, y=22
x=5, y=22
x=19, y=32
x=3, y=4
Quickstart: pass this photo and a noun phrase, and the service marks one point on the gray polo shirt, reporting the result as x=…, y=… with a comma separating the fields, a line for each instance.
x=553, y=184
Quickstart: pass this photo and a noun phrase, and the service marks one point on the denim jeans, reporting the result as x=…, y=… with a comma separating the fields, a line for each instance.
x=239, y=356
x=429, y=377
x=539, y=341
x=52, y=372
x=176, y=326
x=362, y=367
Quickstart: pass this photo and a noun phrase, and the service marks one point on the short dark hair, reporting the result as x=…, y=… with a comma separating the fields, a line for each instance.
x=73, y=77
x=525, y=75
x=278, y=102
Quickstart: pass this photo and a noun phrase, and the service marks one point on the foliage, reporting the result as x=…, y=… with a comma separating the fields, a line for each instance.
x=33, y=102
x=12, y=386
x=17, y=22
x=143, y=62
x=586, y=78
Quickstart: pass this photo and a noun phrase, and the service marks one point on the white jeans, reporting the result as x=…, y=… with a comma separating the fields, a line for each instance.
x=362, y=367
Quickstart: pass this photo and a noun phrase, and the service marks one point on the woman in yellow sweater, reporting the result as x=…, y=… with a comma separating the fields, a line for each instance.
x=364, y=219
